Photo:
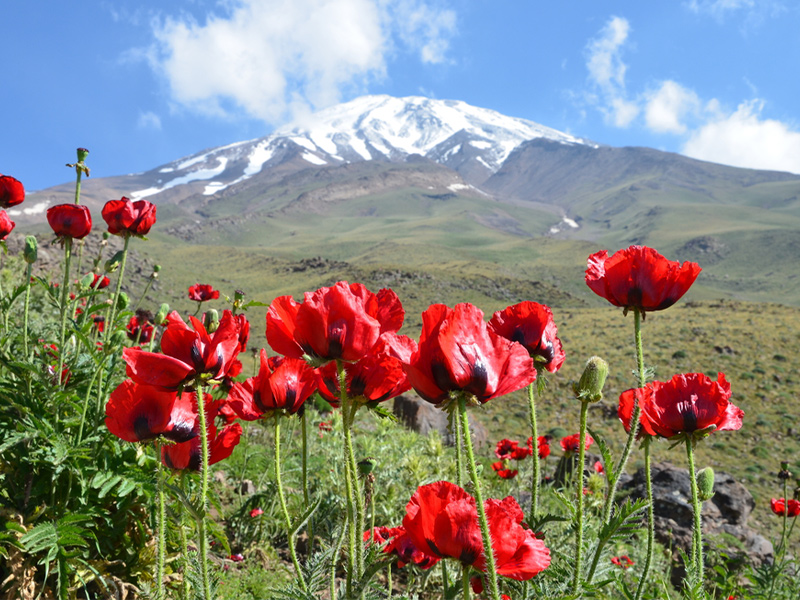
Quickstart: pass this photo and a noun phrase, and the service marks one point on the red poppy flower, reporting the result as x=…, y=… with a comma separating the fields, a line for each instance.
x=244, y=331
x=457, y=351
x=543, y=444
x=140, y=329
x=99, y=322
x=505, y=447
x=502, y=471
x=100, y=282
x=186, y=354
x=70, y=220
x=285, y=387
x=687, y=403
x=236, y=557
x=376, y=377
x=400, y=544
x=639, y=277
x=571, y=443
x=598, y=467
x=187, y=455
x=339, y=322
x=125, y=217
x=202, y=292
x=137, y=413
x=442, y=521
x=622, y=561
x=256, y=512
x=531, y=325
x=6, y=225
x=780, y=507
x=11, y=191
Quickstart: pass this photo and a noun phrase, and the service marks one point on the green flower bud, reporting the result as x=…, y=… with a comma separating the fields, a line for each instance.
x=366, y=466
x=118, y=339
x=122, y=301
x=211, y=320
x=162, y=313
x=156, y=268
x=112, y=264
x=31, y=252
x=590, y=387
x=82, y=154
x=86, y=281
x=705, y=484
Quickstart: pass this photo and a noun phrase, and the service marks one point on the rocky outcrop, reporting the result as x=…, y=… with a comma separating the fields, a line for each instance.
x=423, y=417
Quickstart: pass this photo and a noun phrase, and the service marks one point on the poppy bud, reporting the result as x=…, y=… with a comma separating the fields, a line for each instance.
x=82, y=154
x=366, y=466
x=590, y=386
x=211, y=320
x=86, y=281
x=112, y=264
x=118, y=339
x=162, y=313
x=156, y=269
x=122, y=301
x=705, y=484
x=31, y=252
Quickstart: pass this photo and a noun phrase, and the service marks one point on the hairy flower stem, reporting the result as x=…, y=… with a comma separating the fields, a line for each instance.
x=648, y=559
x=465, y=591
x=697, y=533
x=306, y=503
x=63, y=305
x=203, y=507
x=161, y=526
x=459, y=466
x=282, y=499
x=637, y=411
x=112, y=311
x=491, y=573
x=350, y=480
x=537, y=474
x=576, y=579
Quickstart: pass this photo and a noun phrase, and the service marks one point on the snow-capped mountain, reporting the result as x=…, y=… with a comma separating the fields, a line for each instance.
x=473, y=141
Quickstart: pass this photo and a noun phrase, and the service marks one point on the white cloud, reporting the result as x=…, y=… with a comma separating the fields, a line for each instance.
x=744, y=139
x=667, y=107
x=149, y=120
x=718, y=7
x=607, y=72
x=267, y=58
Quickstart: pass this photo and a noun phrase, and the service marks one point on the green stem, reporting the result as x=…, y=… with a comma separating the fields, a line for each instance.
x=697, y=534
x=86, y=403
x=112, y=312
x=484, y=523
x=144, y=293
x=465, y=591
x=445, y=578
x=389, y=581
x=282, y=498
x=350, y=479
x=161, y=526
x=306, y=497
x=64, y=300
x=579, y=531
x=537, y=475
x=650, y=520
x=459, y=451
x=204, y=474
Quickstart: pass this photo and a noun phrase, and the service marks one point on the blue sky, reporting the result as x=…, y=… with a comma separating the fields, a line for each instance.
x=141, y=83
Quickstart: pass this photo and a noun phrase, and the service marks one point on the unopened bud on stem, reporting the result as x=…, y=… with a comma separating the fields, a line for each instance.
x=590, y=386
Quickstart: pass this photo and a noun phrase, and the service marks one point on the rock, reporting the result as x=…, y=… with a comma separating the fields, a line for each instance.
x=726, y=513
x=423, y=417
x=247, y=487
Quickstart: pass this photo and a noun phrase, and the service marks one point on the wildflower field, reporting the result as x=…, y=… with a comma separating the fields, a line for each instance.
x=146, y=453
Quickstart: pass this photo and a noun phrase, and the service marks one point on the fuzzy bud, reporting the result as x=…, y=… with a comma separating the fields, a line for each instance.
x=31, y=252
x=211, y=320
x=162, y=313
x=82, y=154
x=86, y=281
x=122, y=301
x=705, y=484
x=366, y=466
x=112, y=264
x=590, y=387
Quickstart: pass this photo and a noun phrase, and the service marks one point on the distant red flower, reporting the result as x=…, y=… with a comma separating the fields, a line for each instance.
x=622, y=561
x=442, y=521
x=99, y=322
x=458, y=352
x=285, y=388
x=12, y=191
x=639, y=277
x=100, y=282
x=780, y=506
x=376, y=377
x=140, y=329
x=137, y=413
x=202, y=292
x=543, y=444
x=323, y=427
x=521, y=453
x=125, y=217
x=339, y=322
x=531, y=325
x=187, y=354
x=187, y=455
x=571, y=443
x=686, y=403
x=598, y=467
x=400, y=544
x=236, y=557
x=256, y=512
x=70, y=220
x=6, y=225
x=503, y=472
x=505, y=447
